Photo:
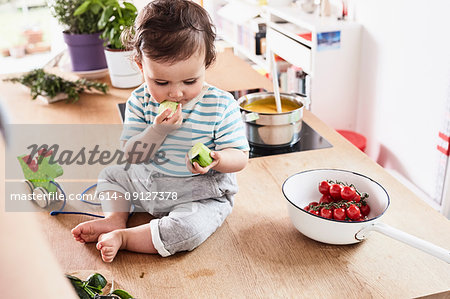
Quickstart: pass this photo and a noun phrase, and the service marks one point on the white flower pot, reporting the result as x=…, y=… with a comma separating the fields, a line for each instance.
x=45, y=98
x=123, y=71
x=57, y=98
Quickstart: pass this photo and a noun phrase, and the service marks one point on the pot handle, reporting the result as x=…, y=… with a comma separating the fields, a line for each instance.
x=251, y=116
x=408, y=239
x=306, y=102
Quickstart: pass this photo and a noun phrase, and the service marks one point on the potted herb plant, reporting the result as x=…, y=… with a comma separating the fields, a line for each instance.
x=116, y=17
x=81, y=34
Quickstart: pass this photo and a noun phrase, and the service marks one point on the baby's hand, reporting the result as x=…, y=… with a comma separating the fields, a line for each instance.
x=175, y=120
x=195, y=168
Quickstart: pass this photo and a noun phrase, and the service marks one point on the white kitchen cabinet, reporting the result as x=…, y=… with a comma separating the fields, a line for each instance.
x=330, y=58
x=329, y=55
x=236, y=24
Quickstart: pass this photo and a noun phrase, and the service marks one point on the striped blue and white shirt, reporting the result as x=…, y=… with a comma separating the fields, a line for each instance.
x=213, y=118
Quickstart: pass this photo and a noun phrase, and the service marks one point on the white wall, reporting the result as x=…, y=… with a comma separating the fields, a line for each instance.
x=404, y=83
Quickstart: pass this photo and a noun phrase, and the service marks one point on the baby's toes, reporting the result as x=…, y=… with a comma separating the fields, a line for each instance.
x=79, y=239
x=75, y=234
x=108, y=254
x=107, y=251
x=108, y=258
x=75, y=231
x=99, y=245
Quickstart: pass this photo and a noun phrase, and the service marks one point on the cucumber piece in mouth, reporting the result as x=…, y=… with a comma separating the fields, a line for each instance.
x=168, y=104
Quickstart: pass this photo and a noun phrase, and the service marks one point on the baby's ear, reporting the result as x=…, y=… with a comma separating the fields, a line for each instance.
x=139, y=63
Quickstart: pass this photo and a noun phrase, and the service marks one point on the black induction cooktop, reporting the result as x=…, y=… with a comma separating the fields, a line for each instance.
x=309, y=140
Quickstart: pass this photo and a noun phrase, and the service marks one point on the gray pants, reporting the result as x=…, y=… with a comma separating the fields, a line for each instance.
x=188, y=209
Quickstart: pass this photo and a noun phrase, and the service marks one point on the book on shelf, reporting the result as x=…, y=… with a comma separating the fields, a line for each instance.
x=292, y=79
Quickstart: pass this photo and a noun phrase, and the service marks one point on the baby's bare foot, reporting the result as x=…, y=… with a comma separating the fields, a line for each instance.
x=89, y=231
x=109, y=244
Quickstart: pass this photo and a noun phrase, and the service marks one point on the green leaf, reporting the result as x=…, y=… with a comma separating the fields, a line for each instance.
x=96, y=280
x=73, y=278
x=95, y=8
x=106, y=15
x=82, y=8
x=122, y=294
x=112, y=35
x=130, y=6
x=90, y=292
x=78, y=286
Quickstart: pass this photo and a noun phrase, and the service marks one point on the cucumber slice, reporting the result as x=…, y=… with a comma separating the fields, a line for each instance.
x=200, y=153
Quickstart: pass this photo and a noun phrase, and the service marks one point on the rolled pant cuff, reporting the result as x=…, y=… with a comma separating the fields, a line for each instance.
x=156, y=239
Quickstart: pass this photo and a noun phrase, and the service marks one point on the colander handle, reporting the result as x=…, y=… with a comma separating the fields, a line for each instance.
x=408, y=239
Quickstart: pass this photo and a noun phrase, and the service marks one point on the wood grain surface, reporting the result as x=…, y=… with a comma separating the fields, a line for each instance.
x=257, y=252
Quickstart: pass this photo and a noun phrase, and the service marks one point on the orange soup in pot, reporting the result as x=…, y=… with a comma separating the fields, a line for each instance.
x=267, y=105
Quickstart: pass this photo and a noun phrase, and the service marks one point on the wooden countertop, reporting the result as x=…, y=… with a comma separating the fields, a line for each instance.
x=257, y=252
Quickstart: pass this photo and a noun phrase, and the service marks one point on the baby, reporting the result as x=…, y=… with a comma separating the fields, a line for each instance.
x=173, y=46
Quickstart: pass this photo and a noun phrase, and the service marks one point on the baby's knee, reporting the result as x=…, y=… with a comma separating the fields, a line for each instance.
x=178, y=234
x=186, y=231
x=111, y=172
x=113, y=178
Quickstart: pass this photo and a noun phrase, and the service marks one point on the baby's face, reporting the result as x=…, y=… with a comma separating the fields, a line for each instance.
x=178, y=82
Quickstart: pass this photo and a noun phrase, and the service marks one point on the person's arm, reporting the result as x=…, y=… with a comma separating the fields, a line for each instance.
x=231, y=144
x=143, y=146
x=226, y=160
x=230, y=160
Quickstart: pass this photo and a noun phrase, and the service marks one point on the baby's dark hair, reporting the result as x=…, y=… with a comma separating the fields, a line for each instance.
x=173, y=30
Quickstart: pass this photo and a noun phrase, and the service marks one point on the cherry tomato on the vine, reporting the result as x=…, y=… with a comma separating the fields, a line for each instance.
x=339, y=201
x=348, y=193
x=313, y=203
x=324, y=187
x=315, y=212
x=365, y=209
x=326, y=213
x=353, y=212
x=339, y=214
x=325, y=199
x=335, y=191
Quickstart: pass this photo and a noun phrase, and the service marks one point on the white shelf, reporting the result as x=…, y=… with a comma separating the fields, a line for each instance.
x=257, y=59
x=292, y=32
x=313, y=22
x=330, y=58
x=254, y=3
x=290, y=50
x=331, y=61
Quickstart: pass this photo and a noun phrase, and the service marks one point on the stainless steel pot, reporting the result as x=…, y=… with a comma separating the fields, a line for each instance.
x=272, y=129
